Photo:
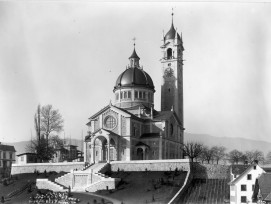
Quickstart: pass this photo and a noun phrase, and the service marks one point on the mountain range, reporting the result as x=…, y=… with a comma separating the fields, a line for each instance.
x=231, y=143
x=241, y=144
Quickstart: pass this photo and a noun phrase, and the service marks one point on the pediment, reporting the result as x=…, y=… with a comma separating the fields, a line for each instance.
x=108, y=108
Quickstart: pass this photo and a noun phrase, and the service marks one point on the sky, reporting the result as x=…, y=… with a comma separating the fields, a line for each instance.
x=69, y=54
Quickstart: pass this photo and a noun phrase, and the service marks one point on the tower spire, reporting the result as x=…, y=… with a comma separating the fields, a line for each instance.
x=134, y=59
x=172, y=14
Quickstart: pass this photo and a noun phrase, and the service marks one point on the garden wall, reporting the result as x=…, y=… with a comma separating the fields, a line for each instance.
x=151, y=165
x=58, y=167
x=210, y=171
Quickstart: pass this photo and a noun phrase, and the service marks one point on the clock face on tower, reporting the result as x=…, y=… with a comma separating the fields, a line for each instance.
x=168, y=72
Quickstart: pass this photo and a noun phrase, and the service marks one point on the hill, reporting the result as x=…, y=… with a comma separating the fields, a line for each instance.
x=20, y=146
x=242, y=144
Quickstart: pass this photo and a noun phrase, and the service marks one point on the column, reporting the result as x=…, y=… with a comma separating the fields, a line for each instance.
x=93, y=153
x=85, y=151
x=108, y=158
x=160, y=147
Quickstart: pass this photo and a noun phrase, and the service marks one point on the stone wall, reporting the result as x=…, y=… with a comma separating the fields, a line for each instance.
x=210, y=171
x=46, y=184
x=58, y=167
x=151, y=165
x=65, y=180
x=102, y=185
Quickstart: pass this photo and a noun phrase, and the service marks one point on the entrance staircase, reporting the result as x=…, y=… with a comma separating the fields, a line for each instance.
x=90, y=178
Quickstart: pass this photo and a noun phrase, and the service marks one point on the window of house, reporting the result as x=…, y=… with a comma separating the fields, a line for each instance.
x=4, y=155
x=129, y=94
x=144, y=95
x=249, y=177
x=121, y=94
x=96, y=153
x=10, y=155
x=243, y=187
x=243, y=199
x=140, y=94
x=125, y=95
x=117, y=96
x=136, y=94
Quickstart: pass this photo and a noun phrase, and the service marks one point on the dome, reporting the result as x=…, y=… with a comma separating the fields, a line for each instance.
x=132, y=77
x=171, y=33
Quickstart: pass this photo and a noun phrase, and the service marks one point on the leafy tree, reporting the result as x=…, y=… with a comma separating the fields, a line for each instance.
x=235, y=156
x=218, y=153
x=192, y=149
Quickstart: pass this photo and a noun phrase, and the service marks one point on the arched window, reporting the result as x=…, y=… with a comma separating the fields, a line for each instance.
x=169, y=53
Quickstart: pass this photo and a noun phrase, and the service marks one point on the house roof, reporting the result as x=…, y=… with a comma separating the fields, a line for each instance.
x=164, y=115
x=238, y=169
x=7, y=148
x=265, y=186
x=26, y=153
x=243, y=174
x=150, y=135
x=141, y=144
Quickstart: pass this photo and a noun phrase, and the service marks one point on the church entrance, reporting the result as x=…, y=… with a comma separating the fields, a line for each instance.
x=101, y=151
x=139, y=154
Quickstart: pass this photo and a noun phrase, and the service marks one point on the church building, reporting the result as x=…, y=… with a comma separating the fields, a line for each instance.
x=130, y=128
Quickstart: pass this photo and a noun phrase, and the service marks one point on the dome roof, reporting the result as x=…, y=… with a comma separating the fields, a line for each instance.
x=171, y=33
x=134, y=76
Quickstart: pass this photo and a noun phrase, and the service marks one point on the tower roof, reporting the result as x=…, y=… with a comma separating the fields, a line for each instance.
x=134, y=55
x=172, y=32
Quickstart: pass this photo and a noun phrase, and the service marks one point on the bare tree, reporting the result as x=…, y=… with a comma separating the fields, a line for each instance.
x=207, y=154
x=48, y=122
x=235, y=156
x=253, y=155
x=218, y=153
x=192, y=149
x=51, y=121
x=268, y=158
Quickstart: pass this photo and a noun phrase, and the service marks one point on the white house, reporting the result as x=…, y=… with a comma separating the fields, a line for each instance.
x=242, y=183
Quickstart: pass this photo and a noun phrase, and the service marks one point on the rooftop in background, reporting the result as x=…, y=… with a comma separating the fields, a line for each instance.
x=7, y=148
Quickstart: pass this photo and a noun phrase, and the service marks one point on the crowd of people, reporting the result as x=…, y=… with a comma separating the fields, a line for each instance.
x=53, y=197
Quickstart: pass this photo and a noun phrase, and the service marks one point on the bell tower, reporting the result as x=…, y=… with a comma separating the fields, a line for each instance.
x=172, y=72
